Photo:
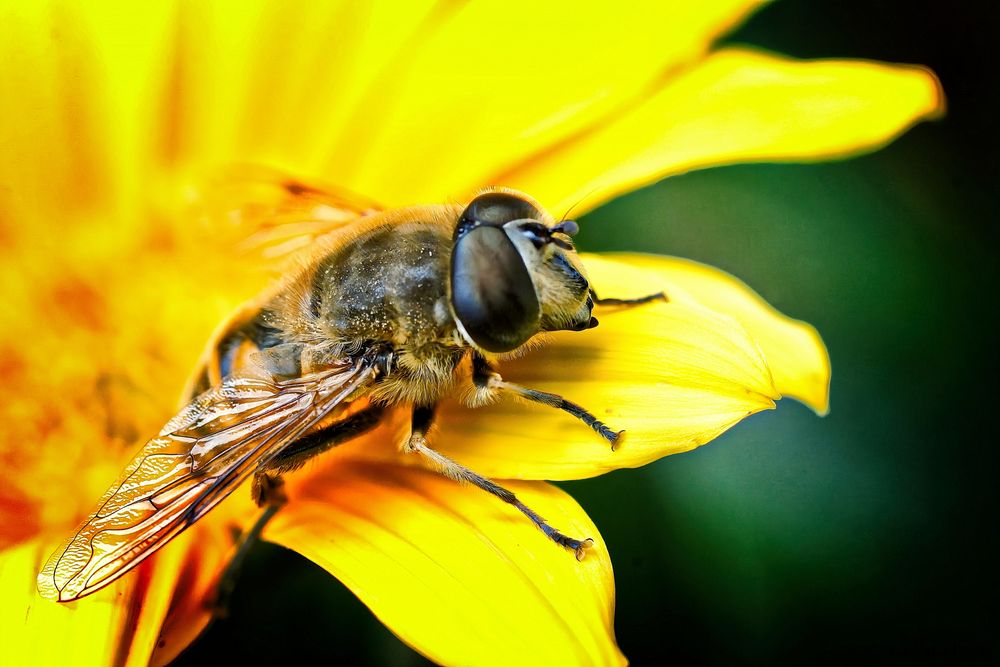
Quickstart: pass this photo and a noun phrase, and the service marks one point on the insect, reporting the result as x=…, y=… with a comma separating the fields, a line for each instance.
x=384, y=308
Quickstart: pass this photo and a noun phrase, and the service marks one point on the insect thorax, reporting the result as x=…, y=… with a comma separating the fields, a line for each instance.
x=389, y=284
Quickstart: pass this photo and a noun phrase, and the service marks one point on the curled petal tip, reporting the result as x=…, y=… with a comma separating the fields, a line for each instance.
x=939, y=101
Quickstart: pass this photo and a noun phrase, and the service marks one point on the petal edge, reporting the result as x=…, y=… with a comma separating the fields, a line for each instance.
x=454, y=572
x=795, y=352
x=737, y=105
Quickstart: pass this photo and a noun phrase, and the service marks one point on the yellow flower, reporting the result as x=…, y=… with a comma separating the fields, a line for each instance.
x=110, y=289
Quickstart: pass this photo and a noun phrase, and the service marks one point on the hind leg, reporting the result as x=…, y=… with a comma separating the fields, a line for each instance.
x=267, y=489
x=422, y=418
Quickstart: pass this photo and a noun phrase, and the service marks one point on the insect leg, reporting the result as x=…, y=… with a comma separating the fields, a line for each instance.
x=219, y=602
x=485, y=378
x=659, y=296
x=422, y=418
x=298, y=452
x=268, y=491
x=420, y=424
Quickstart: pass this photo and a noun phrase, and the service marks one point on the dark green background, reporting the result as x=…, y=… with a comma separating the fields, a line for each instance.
x=869, y=533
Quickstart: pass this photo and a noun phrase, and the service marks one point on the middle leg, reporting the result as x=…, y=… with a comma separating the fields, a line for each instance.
x=298, y=452
x=268, y=492
x=487, y=379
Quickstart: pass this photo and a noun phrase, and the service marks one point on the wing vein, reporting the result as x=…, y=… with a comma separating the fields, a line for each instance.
x=196, y=461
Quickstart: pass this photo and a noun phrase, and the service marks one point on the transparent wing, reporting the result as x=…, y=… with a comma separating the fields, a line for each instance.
x=197, y=460
x=271, y=214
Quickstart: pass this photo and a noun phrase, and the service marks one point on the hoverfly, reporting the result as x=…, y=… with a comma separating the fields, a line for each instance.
x=382, y=309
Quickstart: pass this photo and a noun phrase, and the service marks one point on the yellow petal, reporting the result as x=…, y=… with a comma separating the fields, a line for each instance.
x=459, y=575
x=480, y=85
x=37, y=631
x=368, y=91
x=208, y=546
x=365, y=92
x=672, y=375
x=76, y=120
x=164, y=570
x=795, y=353
x=242, y=91
x=735, y=106
x=117, y=625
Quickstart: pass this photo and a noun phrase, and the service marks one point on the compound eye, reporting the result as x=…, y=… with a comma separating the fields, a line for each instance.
x=491, y=290
x=494, y=209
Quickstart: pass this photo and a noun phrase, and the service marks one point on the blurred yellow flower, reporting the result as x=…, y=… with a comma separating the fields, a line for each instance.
x=110, y=287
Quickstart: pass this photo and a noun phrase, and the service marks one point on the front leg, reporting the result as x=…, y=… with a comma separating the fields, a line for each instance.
x=659, y=296
x=488, y=380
